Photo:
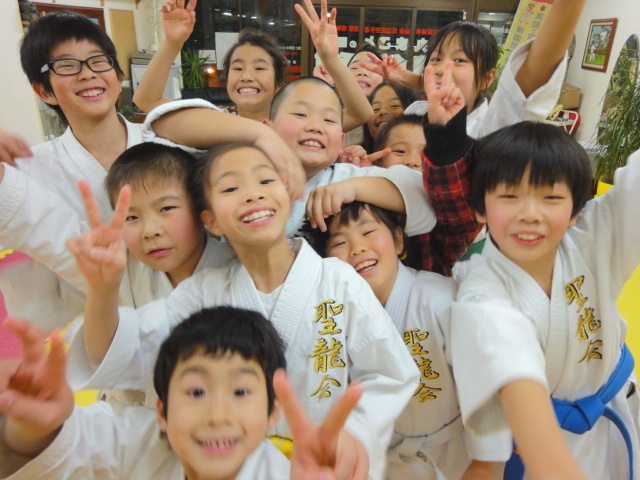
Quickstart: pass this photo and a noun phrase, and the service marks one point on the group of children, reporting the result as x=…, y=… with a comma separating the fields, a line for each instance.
x=205, y=279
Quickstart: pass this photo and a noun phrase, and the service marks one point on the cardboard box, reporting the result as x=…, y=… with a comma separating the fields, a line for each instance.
x=569, y=96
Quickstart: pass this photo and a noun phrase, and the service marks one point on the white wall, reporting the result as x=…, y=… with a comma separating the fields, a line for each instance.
x=18, y=108
x=594, y=84
x=142, y=14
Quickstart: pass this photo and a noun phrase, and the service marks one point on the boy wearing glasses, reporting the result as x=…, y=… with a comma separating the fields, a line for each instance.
x=72, y=66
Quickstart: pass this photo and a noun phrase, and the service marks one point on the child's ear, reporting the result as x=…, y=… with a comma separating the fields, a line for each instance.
x=275, y=413
x=481, y=218
x=488, y=80
x=44, y=94
x=574, y=219
x=161, y=419
x=399, y=240
x=209, y=220
x=266, y=122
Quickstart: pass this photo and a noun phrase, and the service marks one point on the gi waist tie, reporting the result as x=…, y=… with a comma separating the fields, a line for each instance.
x=580, y=416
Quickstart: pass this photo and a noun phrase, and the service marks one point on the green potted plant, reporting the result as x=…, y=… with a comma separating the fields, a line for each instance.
x=193, y=76
x=618, y=132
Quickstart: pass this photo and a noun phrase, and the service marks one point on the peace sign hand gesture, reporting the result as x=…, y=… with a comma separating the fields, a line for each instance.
x=445, y=98
x=327, y=451
x=100, y=253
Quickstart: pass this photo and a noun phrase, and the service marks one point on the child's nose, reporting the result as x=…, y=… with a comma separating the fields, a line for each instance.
x=152, y=228
x=254, y=196
x=218, y=411
x=357, y=250
x=85, y=71
x=530, y=210
x=314, y=124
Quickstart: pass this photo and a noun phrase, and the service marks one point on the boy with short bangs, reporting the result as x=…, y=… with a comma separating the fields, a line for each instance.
x=334, y=328
x=404, y=136
x=165, y=238
x=215, y=378
x=536, y=315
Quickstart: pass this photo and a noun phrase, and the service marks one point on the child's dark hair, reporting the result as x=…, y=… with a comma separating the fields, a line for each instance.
x=352, y=212
x=477, y=43
x=281, y=94
x=214, y=332
x=268, y=43
x=385, y=131
x=406, y=96
x=365, y=47
x=147, y=163
x=549, y=153
x=199, y=180
x=49, y=31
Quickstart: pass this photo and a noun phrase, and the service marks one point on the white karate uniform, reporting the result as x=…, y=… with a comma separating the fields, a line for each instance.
x=142, y=284
x=504, y=326
x=508, y=104
x=429, y=441
x=49, y=181
x=97, y=443
x=334, y=329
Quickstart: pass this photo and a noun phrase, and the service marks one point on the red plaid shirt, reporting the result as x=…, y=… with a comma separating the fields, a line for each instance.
x=449, y=191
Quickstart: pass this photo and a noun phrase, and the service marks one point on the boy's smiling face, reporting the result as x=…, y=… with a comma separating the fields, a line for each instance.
x=217, y=414
x=248, y=202
x=528, y=222
x=406, y=142
x=310, y=121
x=86, y=95
x=162, y=230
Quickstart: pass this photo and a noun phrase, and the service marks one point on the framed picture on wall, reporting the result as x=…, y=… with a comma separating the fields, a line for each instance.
x=599, y=42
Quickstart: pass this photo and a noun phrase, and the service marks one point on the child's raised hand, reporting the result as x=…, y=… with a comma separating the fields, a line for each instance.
x=177, y=20
x=100, y=253
x=391, y=69
x=34, y=396
x=284, y=160
x=358, y=156
x=326, y=451
x=326, y=201
x=324, y=33
x=12, y=147
x=445, y=98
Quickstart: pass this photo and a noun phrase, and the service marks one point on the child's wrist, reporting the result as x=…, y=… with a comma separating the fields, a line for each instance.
x=332, y=61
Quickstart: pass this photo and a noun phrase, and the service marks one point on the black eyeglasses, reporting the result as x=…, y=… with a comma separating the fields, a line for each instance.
x=73, y=66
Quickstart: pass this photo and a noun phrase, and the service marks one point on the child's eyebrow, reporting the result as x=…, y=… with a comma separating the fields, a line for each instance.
x=257, y=60
x=359, y=223
x=68, y=55
x=200, y=370
x=167, y=198
x=308, y=104
x=230, y=173
x=246, y=371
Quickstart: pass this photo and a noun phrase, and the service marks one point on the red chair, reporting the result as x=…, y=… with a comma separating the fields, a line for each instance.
x=570, y=120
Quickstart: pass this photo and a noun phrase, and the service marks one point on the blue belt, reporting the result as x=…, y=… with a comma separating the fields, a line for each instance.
x=580, y=416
